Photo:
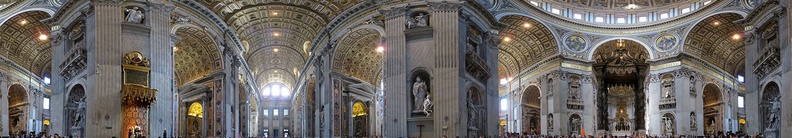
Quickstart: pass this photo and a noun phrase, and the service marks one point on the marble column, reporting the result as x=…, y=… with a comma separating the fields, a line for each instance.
x=4, y=86
x=654, y=116
x=161, y=111
x=445, y=20
x=104, y=44
x=324, y=98
x=394, y=76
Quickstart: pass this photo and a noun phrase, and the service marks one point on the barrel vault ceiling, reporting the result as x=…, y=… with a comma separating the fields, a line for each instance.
x=20, y=42
x=711, y=40
x=525, y=42
x=276, y=31
x=195, y=56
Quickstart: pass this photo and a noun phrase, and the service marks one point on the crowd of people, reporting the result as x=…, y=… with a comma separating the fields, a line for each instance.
x=23, y=134
x=719, y=135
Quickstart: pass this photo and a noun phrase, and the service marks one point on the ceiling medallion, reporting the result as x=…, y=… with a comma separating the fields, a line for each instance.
x=575, y=43
x=666, y=42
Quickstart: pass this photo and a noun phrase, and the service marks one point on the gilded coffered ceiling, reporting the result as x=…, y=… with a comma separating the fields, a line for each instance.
x=20, y=42
x=531, y=96
x=284, y=25
x=195, y=56
x=276, y=63
x=711, y=40
x=525, y=42
x=711, y=94
x=357, y=56
x=16, y=95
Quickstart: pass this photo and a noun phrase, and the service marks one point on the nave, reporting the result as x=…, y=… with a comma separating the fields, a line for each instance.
x=395, y=68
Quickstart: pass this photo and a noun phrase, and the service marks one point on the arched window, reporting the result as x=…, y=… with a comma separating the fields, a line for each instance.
x=277, y=90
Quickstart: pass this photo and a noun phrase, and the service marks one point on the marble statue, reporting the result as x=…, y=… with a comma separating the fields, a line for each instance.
x=692, y=84
x=134, y=15
x=550, y=86
x=668, y=91
x=410, y=23
x=576, y=123
x=422, y=20
x=669, y=125
x=77, y=116
x=775, y=111
x=427, y=105
x=693, y=124
x=419, y=92
x=550, y=122
x=472, y=114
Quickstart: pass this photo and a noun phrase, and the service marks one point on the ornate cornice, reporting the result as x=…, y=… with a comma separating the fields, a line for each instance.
x=654, y=78
x=3, y=77
x=394, y=12
x=161, y=7
x=587, y=79
x=107, y=2
x=769, y=7
x=445, y=6
x=681, y=72
x=674, y=22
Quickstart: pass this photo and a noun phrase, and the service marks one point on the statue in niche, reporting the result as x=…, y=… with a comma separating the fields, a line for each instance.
x=668, y=91
x=692, y=84
x=77, y=116
x=422, y=20
x=419, y=92
x=550, y=122
x=576, y=123
x=693, y=124
x=669, y=125
x=472, y=114
x=712, y=125
x=775, y=111
x=134, y=15
x=427, y=105
x=410, y=23
x=550, y=86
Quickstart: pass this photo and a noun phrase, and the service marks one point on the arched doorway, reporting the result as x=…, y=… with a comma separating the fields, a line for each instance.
x=531, y=110
x=770, y=109
x=712, y=109
x=75, y=109
x=195, y=120
x=620, y=68
x=360, y=119
x=17, y=109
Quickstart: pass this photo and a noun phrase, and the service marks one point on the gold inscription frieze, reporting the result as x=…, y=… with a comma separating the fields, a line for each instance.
x=576, y=66
x=666, y=65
